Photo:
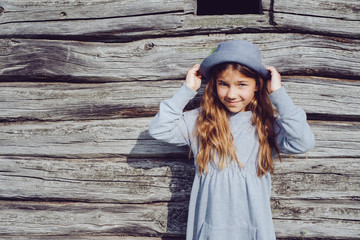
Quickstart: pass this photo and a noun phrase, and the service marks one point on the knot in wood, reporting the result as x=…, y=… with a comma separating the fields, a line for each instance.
x=149, y=46
x=63, y=14
x=1, y=10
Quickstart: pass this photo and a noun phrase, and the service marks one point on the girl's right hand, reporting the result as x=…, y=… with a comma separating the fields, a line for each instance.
x=193, y=77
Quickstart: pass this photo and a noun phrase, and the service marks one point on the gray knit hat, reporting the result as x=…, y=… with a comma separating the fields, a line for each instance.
x=238, y=51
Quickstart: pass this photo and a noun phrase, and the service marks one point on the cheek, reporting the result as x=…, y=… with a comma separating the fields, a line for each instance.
x=252, y=96
x=248, y=95
x=220, y=92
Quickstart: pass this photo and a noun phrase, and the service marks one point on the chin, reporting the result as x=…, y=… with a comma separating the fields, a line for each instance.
x=234, y=110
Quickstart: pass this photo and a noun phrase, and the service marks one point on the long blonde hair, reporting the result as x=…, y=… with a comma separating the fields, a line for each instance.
x=213, y=130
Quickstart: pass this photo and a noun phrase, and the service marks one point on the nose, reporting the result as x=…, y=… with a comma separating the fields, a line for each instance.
x=231, y=94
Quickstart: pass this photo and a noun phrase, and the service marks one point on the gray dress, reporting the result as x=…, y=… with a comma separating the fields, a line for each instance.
x=232, y=203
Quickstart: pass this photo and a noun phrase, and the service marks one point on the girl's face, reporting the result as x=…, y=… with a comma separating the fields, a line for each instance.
x=235, y=90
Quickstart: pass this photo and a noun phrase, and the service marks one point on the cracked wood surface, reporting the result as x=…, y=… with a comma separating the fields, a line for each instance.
x=338, y=9
x=33, y=11
x=80, y=81
x=129, y=137
x=73, y=220
x=124, y=180
x=334, y=17
x=169, y=58
x=128, y=20
x=20, y=101
x=159, y=195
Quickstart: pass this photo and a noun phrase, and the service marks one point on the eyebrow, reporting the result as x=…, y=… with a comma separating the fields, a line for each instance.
x=237, y=81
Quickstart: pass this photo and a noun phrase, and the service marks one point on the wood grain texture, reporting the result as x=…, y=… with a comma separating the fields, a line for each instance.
x=135, y=27
x=81, y=80
x=150, y=180
x=320, y=210
x=326, y=229
x=330, y=17
x=26, y=101
x=70, y=19
x=318, y=25
x=88, y=237
x=126, y=20
x=169, y=58
x=82, y=219
x=130, y=137
x=229, y=24
x=348, y=10
x=110, y=29
x=106, y=180
x=77, y=219
x=17, y=11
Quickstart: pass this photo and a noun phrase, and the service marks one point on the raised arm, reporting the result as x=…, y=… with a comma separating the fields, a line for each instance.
x=294, y=133
x=171, y=124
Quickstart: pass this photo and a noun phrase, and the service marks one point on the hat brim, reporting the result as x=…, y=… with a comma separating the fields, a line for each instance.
x=226, y=56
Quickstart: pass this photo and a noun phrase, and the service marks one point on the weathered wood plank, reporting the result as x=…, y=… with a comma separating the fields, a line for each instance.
x=119, y=29
x=323, y=95
x=217, y=24
x=96, y=237
x=21, y=101
x=337, y=9
x=19, y=11
x=316, y=186
x=126, y=20
x=130, y=137
x=329, y=141
x=88, y=237
x=326, y=229
x=65, y=101
x=27, y=218
x=307, y=210
x=68, y=219
x=169, y=58
x=318, y=25
x=145, y=180
x=129, y=28
x=330, y=17
x=112, y=180
x=266, y=5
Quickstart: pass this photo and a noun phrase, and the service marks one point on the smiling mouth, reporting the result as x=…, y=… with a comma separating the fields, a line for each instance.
x=232, y=103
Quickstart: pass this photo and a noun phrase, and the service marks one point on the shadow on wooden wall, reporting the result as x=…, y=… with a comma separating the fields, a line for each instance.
x=178, y=176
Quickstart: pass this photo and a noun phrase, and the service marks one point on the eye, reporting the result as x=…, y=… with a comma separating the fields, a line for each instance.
x=242, y=85
x=220, y=83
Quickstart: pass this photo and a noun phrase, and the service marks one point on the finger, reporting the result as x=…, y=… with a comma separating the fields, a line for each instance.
x=195, y=69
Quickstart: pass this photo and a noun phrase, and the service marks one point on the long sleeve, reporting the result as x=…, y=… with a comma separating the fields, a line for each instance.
x=171, y=124
x=294, y=133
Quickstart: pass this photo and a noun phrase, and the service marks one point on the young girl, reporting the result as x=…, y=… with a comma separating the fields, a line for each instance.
x=234, y=136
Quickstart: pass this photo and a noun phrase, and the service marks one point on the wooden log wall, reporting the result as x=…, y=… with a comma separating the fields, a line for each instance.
x=81, y=80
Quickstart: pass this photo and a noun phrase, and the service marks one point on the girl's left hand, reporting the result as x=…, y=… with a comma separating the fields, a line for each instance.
x=275, y=82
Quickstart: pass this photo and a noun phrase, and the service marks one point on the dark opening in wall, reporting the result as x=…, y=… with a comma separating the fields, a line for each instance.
x=219, y=7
